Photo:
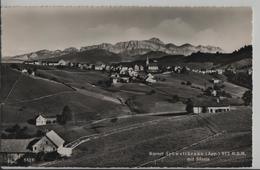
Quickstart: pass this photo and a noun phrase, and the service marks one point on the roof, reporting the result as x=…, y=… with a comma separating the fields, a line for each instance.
x=45, y=116
x=55, y=138
x=15, y=145
x=211, y=103
x=153, y=64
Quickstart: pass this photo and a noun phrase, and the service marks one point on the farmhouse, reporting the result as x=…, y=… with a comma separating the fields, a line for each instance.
x=48, y=143
x=11, y=150
x=211, y=106
x=42, y=119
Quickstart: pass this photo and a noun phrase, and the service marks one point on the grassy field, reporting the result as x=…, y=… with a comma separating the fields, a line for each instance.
x=29, y=89
x=83, y=77
x=237, y=138
x=235, y=90
x=85, y=108
x=8, y=77
x=197, y=79
x=132, y=148
x=89, y=103
x=154, y=103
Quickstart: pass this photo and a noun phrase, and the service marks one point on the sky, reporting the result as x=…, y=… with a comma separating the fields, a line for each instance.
x=28, y=29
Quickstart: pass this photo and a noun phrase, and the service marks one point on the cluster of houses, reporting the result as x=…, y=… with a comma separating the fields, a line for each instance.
x=12, y=150
x=151, y=67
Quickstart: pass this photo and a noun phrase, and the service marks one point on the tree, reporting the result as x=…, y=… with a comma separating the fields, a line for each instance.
x=15, y=66
x=188, y=83
x=51, y=156
x=65, y=116
x=29, y=70
x=204, y=109
x=247, y=97
x=175, y=98
x=184, y=70
x=189, y=106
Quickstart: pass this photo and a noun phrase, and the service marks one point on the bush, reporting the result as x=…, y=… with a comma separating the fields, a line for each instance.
x=183, y=83
x=15, y=66
x=247, y=97
x=39, y=156
x=189, y=106
x=188, y=83
x=51, y=156
x=151, y=92
x=175, y=98
x=204, y=109
x=113, y=120
x=31, y=121
x=39, y=133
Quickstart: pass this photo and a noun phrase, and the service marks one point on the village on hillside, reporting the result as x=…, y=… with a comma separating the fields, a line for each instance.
x=126, y=87
x=47, y=145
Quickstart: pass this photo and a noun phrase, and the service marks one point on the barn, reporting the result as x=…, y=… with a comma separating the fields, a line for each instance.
x=211, y=106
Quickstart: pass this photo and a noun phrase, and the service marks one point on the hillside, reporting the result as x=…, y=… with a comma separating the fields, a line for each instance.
x=90, y=56
x=221, y=58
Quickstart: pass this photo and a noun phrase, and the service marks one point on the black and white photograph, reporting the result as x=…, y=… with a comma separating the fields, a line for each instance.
x=129, y=87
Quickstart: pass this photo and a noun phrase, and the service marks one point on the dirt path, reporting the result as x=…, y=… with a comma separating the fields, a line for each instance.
x=42, y=97
x=13, y=86
x=84, y=139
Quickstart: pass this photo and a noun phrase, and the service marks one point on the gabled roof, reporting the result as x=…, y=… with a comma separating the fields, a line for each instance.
x=153, y=64
x=45, y=115
x=211, y=103
x=55, y=138
x=15, y=145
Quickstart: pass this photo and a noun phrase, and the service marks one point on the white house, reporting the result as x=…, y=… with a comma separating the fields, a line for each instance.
x=220, y=71
x=150, y=78
x=215, y=81
x=62, y=63
x=153, y=67
x=99, y=67
x=24, y=71
x=136, y=68
x=45, y=120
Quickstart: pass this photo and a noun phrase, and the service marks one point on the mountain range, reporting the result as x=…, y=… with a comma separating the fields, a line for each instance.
x=121, y=51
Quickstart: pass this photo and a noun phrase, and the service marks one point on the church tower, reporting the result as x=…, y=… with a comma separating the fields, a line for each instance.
x=147, y=61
